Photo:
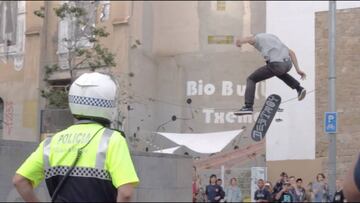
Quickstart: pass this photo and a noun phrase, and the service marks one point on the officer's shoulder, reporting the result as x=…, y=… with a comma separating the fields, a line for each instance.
x=118, y=132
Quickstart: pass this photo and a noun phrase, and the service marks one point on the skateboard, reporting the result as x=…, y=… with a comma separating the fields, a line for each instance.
x=266, y=115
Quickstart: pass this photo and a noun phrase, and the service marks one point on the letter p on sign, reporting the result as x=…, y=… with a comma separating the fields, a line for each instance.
x=330, y=122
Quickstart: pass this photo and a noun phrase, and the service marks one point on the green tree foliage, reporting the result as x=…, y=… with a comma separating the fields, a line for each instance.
x=78, y=56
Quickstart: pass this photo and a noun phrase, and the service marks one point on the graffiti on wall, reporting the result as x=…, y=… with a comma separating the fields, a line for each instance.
x=9, y=117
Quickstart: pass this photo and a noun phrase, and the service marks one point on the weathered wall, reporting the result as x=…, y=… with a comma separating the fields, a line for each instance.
x=347, y=85
x=164, y=178
x=174, y=33
x=19, y=86
x=12, y=154
x=175, y=61
x=27, y=82
x=142, y=117
x=55, y=120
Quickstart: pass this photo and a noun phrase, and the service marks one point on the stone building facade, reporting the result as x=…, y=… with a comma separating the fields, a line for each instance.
x=28, y=43
x=347, y=86
x=163, y=50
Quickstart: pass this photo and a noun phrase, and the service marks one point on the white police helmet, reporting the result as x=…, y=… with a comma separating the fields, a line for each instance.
x=93, y=95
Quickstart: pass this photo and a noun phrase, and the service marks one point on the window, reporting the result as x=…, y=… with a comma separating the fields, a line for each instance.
x=220, y=39
x=221, y=5
x=105, y=11
x=70, y=29
x=8, y=22
x=12, y=31
x=81, y=31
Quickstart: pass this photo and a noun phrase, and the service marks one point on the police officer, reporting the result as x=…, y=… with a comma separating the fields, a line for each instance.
x=87, y=162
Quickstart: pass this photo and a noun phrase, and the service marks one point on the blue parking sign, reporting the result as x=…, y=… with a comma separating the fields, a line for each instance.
x=330, y=122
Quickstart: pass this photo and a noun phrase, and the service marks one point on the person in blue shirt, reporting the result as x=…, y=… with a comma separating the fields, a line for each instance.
x=262, y=194
x=320, y=189
x=213, y=191
x=233, y=192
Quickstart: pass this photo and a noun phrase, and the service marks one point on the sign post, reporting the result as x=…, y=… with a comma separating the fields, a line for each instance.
x=332, y=98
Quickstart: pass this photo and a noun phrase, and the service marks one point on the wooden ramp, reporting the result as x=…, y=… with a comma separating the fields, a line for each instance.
x=228, y=159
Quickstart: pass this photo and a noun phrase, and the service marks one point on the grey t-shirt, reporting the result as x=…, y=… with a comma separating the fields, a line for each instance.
x=322, y=193
x=271, y=48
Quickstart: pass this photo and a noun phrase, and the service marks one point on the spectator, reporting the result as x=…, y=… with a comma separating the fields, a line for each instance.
x=299, y=192
x=320, y=189
x=339, y=195
x=196, y=188
x=284, y=195
x=269, y=187
x=194, y=192
x=201, y=197
x=233, y=192
x=222, y=192
x=292, y=187
x=309, y=192
x=219, y=181
x=261, y=194
x=213, y=191
x=292, y=181
x=279, y=184
x=194, y=184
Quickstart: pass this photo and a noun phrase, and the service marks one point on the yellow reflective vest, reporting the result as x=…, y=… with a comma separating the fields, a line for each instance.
x=105, y=163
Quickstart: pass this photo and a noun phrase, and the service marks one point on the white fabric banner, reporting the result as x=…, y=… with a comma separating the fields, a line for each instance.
x=205, y=143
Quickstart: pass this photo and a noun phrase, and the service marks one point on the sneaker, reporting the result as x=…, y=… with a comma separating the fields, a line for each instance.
x=244, y=111
x=301, y=94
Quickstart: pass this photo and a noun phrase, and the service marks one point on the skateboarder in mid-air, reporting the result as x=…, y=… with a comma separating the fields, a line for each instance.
x=279, y=59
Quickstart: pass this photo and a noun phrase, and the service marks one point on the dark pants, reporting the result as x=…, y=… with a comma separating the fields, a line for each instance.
x=278, y=69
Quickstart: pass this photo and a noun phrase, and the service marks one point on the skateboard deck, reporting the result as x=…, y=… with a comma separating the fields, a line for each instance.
x=265, y=118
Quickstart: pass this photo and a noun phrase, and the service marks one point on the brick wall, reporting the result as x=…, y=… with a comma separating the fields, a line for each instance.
x=347, y=85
